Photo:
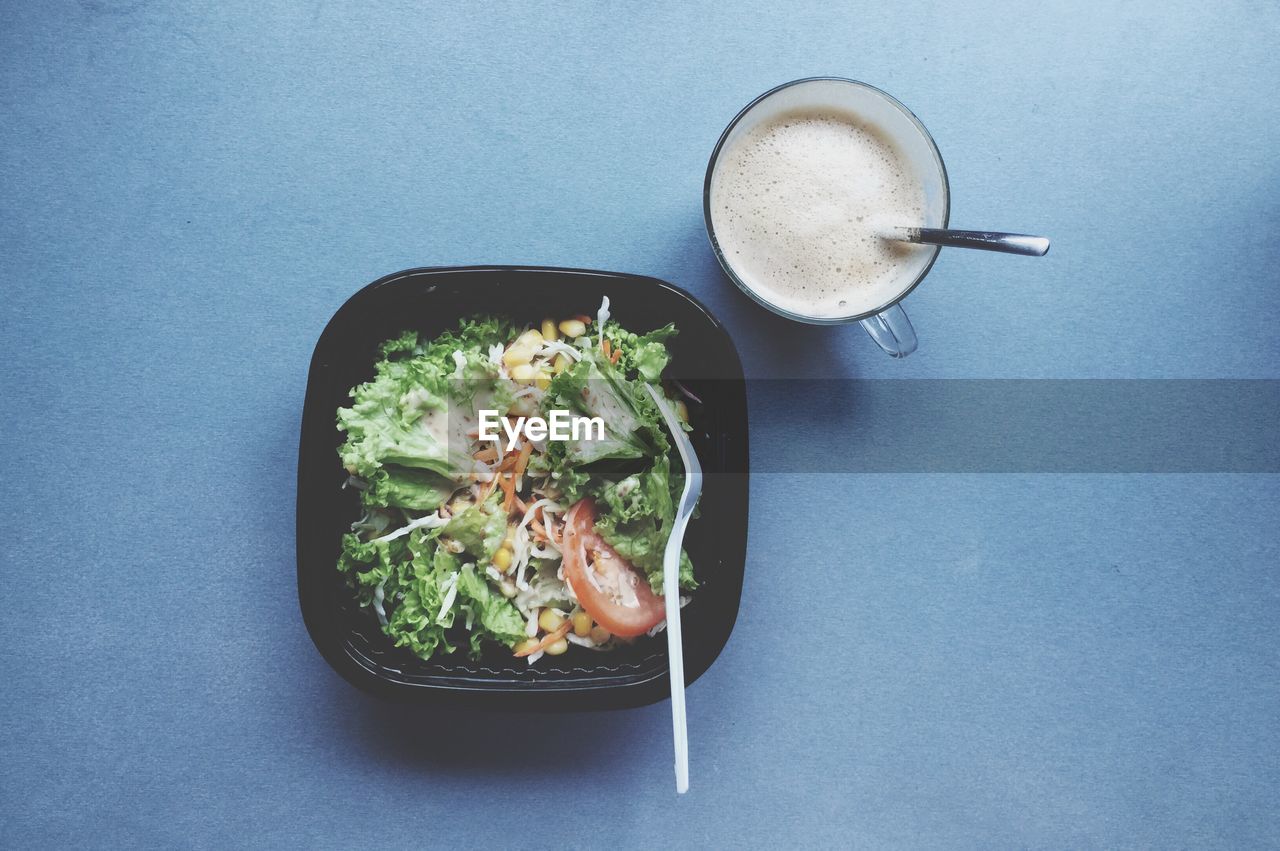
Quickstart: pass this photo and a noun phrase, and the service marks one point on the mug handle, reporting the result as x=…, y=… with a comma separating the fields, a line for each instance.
x=892, y=331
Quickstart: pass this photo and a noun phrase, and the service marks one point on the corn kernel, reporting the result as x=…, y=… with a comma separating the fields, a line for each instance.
x=573, y=328
x=527, y=645
x=508, y=588
x=517, y=355
x=502, y=559
x=549, y=330
x=523, y=349
x=600, y=635
x=523, y=373
x=542, y=381
x=549, y=620
x=581, y=624
x=556, y=647
x=561, y=364
x=682, y=411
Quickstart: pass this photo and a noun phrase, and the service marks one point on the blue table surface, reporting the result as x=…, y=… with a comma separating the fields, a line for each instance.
x=187, y=195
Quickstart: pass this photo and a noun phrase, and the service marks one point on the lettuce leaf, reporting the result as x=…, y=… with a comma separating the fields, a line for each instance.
x=573, y=482
x=400, y=417
x=408, y=579
x=594, y=387
x=475, y=333
x=643, y=544
x=415, y=622
x=402, y=579
x=640, y=496
x=368, y=564
x=480, y=529
x=490, y=614
x=404, y=487
x=645, y=354
x=636, y=511
x=403, y=416
x=635, y=518
x=407, y=342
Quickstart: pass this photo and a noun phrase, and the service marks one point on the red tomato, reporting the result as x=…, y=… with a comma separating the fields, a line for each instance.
x=619, y=598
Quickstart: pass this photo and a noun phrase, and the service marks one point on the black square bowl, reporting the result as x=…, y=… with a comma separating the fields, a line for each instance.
x=430, y=301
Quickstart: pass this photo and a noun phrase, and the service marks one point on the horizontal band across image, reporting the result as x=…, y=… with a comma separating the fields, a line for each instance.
x=1015, y=426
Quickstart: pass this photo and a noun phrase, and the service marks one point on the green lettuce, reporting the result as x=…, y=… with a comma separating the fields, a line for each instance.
x=368, y=564
x=644, y=354
x=472, y=335
x=404, y=487
x=644, y=545
x=480, y=529
x=400, y=417
x=595, y=388
x=489, y=614
x=407, y=580
x=635, y=517
x=415, y=621
x=403, y=416
x=401, y=579
x=572, y=481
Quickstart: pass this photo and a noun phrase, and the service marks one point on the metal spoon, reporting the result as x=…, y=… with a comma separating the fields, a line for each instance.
x=1008, y=243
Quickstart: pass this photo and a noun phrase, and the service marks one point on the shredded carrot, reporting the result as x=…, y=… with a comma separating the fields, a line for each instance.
x=522, y=460
x=521, y=505
x=488, y=454
x=604, y=346
x=617, y=353
x=583, y=318
x=546, y=640
x=547, y=533
x=509, y=488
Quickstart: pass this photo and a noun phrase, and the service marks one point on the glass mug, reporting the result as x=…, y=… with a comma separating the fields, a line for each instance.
x=887, y=324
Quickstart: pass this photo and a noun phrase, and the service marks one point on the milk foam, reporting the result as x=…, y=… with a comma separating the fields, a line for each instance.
x=798, y=205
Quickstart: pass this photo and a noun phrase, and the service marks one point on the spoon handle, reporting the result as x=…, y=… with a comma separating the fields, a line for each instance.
x=1009, y=243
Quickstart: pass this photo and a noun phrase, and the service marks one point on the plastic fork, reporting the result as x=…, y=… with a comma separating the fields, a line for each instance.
x=671, y=585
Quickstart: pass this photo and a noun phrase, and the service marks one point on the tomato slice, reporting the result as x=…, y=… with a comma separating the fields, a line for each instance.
x=615, y=594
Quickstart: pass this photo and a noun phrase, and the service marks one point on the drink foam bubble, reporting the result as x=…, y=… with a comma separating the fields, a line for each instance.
x=799, y=204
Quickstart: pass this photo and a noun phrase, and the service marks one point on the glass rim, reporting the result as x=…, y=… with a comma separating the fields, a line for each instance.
x=711, y=231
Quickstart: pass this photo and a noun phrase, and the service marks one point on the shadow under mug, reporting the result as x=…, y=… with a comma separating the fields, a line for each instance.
x=887, y=324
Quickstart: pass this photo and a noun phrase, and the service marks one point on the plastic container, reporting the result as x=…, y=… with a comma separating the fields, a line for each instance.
x=430, y=300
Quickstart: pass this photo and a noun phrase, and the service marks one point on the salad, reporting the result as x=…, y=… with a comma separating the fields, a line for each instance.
x=533, y=542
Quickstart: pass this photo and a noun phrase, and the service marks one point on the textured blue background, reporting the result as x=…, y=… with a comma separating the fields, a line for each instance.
x=1044, y=660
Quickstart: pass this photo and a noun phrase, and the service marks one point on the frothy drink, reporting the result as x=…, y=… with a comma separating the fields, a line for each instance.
x=799, y=205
